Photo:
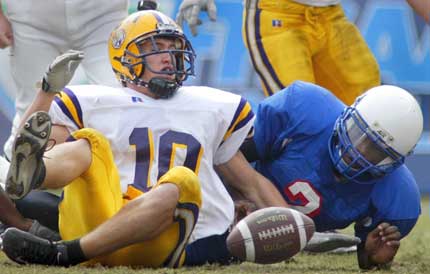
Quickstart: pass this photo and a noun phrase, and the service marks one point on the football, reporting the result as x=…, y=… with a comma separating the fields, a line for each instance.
x=270, y=235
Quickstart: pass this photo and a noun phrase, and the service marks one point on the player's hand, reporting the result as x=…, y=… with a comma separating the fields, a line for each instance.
x=382, y=243
x=61, y=71
x=242, y=208
x=328, y=241
x=189, y=12
x=6, y=36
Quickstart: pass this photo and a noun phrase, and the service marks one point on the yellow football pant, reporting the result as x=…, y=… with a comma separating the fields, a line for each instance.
x=96, y=196
x=288, y=41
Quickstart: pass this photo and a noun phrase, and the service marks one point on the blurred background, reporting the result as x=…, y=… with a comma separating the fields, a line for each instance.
x=399, y=39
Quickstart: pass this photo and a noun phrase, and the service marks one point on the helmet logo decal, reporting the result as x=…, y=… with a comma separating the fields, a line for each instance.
x=118, y=37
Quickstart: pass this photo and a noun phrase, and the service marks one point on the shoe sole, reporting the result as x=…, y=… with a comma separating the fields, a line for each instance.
x=27, y=154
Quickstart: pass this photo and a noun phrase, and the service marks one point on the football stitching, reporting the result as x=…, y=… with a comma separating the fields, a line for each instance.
x=276, y=232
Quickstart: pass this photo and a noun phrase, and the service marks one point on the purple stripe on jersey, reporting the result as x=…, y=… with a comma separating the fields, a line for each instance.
x=242, y=123
x=70, y=138
x=239, y=109
x=264, y=55
x=252, y=55
x=65, y=110
x=76, y=103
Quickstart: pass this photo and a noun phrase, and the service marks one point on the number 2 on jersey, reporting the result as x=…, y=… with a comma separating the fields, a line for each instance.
x=306, y=195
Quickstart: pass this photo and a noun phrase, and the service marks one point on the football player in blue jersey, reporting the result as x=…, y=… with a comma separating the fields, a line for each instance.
x=342, y=165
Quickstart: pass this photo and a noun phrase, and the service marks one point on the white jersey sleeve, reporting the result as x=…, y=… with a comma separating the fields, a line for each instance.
x=240, y=125
x=74, y=103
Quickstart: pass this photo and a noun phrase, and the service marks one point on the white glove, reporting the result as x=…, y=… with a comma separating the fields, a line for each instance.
x=61, y=71
x=328, y=241
x=189, y=11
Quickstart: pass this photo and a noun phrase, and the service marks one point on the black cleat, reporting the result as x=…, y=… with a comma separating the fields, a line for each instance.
x=25, y=248
x=27, y=170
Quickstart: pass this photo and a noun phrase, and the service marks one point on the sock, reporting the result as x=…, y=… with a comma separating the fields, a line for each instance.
x=75, y=255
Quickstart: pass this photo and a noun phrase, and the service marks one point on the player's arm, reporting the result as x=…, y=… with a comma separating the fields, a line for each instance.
x=57, y=76
x=6, y=35
x=422, y=7
x=253, y=186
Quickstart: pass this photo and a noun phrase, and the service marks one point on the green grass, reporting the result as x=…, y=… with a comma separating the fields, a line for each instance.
x=413, y=257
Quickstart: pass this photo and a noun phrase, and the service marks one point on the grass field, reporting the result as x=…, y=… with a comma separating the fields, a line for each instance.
x=413, y=257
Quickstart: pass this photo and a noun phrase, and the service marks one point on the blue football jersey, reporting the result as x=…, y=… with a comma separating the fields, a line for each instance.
x=292, y=131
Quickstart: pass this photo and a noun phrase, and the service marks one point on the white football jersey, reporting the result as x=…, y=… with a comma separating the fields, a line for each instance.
x=198, y=127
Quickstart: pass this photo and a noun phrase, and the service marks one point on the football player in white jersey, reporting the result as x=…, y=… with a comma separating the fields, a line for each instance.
x=140, y=146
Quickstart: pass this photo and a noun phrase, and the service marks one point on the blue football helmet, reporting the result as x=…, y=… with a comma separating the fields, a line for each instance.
x=372, y=137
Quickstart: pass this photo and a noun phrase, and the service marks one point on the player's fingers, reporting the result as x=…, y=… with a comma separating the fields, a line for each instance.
x=393, y=236
x=194, y=15
x=75, y=54
x=193, y=29
x=211, y=9
x=180, y=19
x=375, y=232
x=390, y=229
x=381, y=227
x=5, y=40
x=64, y=61
x=67, y=56
x=394, y=244
x=73, y=65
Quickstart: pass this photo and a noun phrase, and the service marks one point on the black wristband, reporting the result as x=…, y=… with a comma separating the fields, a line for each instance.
x=45, y=85
x=146, y=5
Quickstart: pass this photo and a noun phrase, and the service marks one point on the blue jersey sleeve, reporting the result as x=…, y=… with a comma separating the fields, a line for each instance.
x=396, y=200
x=301, y=109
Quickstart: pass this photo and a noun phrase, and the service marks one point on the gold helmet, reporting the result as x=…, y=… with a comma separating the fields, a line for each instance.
x=128, y=59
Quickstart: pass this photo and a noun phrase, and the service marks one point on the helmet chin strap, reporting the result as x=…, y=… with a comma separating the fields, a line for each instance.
x=161, y=87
